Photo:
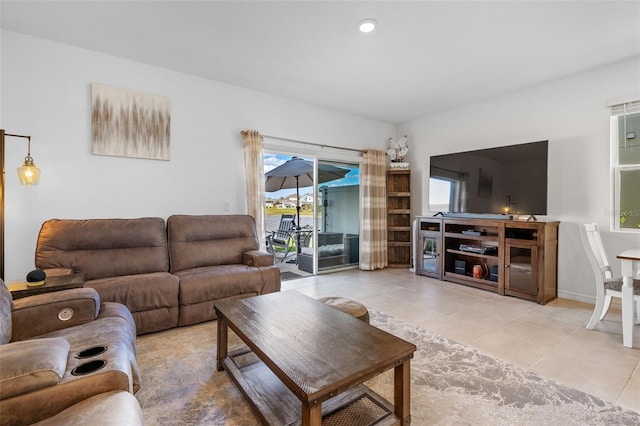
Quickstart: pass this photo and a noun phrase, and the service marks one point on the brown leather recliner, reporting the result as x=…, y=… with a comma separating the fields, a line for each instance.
x=50, y=362
x=106, y=409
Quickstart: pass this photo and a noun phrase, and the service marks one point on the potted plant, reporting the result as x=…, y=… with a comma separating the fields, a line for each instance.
x=397, y=151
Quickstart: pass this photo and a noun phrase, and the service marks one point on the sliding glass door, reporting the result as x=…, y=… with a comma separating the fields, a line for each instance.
x=337, y=215
x=312, y=212
x=289, y=205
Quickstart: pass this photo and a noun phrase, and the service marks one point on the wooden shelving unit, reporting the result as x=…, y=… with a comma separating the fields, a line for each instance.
x=522, y=262
x=399, y=218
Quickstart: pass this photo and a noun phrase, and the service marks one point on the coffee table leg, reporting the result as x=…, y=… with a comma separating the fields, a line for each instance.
x=402, y=393
x=311, y=414
x=223, y=334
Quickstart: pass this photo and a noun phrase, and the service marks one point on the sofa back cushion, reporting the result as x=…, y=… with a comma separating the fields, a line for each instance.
x=104, y=247
x=209, y=240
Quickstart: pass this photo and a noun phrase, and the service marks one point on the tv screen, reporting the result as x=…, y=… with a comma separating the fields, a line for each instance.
x=510, y=180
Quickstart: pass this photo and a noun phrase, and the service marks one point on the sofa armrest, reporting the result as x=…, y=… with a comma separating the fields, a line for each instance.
x=31, y=365
x=114, y=309
x=52, y=272
x=44, y=313
x=257, y=258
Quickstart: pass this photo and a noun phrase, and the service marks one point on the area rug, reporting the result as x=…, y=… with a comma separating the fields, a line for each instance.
x=451, y=384
x=288, y=275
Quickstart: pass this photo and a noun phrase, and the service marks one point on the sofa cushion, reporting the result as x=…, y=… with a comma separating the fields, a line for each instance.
x=32, y=364
x=209, y=240
x=327, y=238
x=139, y=292
x=104, y=247
x=202, y=288
x=218, y=282
x=151, y=298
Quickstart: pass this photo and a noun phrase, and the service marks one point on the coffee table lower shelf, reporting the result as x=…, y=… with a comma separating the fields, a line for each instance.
x=277, y=405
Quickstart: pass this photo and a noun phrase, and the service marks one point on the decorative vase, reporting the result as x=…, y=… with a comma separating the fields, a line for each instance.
x=399, y=165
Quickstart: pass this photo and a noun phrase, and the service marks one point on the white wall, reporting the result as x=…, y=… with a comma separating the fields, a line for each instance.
x=571, y=113
x=46, y=93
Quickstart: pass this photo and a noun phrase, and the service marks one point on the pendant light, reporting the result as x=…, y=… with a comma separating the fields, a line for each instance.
x=29, y=173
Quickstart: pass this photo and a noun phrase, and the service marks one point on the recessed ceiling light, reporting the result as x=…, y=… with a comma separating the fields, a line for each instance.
x=367, y=25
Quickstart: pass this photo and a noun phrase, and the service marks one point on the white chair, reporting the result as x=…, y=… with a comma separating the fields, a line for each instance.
x=606, y=285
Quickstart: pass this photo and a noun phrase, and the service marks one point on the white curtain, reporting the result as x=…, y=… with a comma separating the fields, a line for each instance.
x=373, y=227
x=254, y=171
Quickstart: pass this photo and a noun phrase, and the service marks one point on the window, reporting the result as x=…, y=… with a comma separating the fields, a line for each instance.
x=446, y=190
x=625, y=161
x=441, y=194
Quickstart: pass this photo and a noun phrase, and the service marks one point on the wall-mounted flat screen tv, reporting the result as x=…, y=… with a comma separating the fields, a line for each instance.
x=507, y=180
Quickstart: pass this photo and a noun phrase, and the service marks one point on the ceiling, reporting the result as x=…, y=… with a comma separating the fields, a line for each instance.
x=425, y=56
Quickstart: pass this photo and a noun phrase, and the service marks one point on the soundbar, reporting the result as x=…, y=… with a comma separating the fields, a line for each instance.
x=498, y=216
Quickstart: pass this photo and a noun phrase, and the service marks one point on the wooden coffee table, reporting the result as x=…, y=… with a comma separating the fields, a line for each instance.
x=306, y=362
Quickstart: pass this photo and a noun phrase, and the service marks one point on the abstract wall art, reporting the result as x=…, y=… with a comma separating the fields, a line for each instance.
x=127, y=123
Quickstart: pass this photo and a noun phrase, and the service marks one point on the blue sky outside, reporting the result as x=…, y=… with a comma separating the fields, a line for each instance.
x=271, y=161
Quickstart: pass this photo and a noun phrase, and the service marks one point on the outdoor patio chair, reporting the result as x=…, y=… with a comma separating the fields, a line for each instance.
x=283, y=237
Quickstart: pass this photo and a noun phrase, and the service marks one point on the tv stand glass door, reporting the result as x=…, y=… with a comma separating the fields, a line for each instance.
x=427, y=257
x=520, y=274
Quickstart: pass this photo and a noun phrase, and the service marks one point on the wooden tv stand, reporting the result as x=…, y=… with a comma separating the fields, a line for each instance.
x=515, y=258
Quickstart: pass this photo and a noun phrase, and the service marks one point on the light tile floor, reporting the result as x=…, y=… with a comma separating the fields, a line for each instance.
x=549, y=339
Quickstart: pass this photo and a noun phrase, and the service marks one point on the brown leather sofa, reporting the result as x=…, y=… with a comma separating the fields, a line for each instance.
x=60, y=349
x=167, y=274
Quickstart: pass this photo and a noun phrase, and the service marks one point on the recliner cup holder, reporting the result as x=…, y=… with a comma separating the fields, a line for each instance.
x=88, y=353
x=89, y=367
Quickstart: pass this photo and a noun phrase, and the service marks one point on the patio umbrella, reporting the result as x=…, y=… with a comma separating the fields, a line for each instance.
x=298, y=172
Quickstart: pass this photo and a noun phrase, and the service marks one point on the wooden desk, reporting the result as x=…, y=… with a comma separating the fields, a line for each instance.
x=630, y=259
x=308, y=360
x=20, y=289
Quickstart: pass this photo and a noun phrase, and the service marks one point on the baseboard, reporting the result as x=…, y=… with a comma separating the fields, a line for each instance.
x=578, y=297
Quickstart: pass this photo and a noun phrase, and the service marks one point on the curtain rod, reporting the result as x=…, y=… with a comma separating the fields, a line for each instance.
x=315, y=144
